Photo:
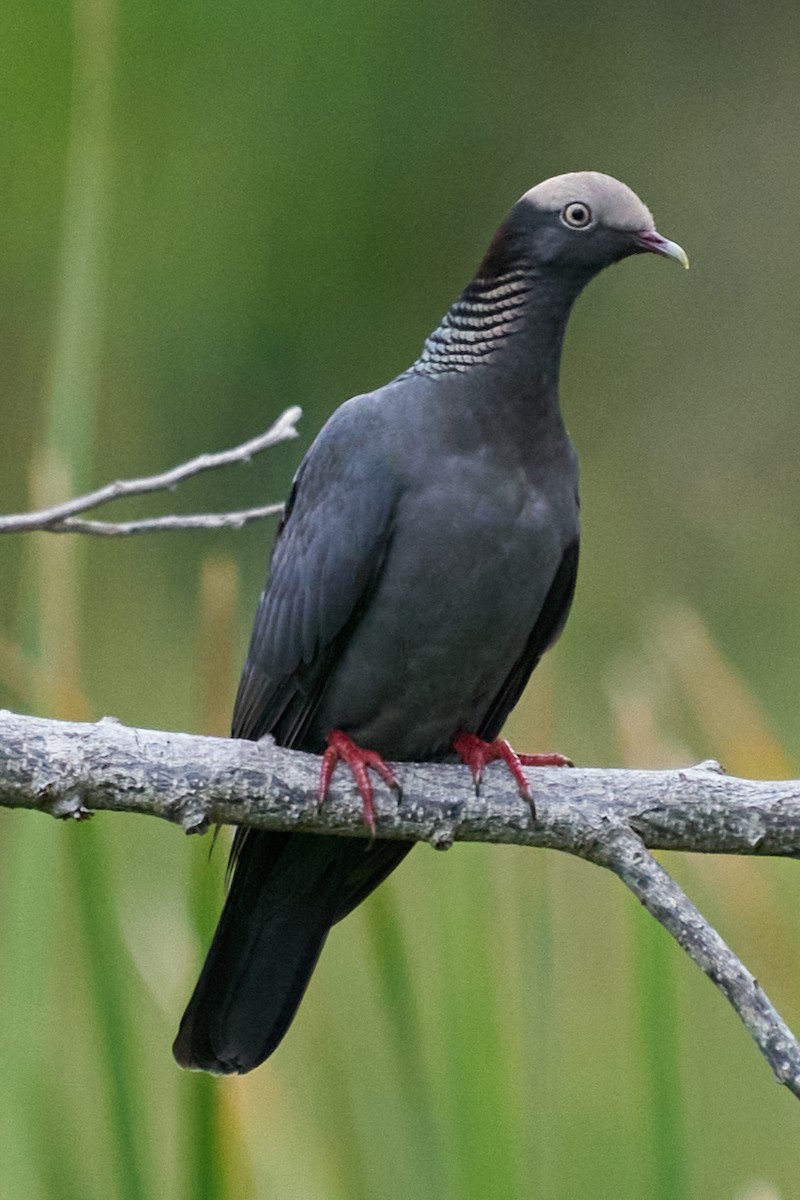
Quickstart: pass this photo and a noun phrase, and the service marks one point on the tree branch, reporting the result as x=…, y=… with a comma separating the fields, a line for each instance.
x=624, y=853
x=62, y=518
x=168, y=524
x=608, y=817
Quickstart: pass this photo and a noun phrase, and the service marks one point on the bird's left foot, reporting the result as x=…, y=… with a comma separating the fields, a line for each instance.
x=341, y=748
x=476, y=753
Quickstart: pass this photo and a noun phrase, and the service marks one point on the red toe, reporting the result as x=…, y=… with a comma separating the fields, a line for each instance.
x=545, y=760
x=476, y=753
x=341, y=748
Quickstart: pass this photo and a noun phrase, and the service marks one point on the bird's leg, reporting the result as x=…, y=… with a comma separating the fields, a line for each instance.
x=341, y=748
x=476, y=753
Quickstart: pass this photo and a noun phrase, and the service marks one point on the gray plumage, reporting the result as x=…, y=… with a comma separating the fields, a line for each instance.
x=426, y=561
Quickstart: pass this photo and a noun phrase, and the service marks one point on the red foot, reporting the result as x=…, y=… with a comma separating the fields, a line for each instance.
x=476, y=753
x=344, y=749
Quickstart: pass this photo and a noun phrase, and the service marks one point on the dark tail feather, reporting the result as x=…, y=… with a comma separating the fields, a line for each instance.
x=277, y=914
x=287, y=891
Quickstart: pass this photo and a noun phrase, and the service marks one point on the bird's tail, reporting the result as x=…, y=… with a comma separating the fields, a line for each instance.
x=286, y=892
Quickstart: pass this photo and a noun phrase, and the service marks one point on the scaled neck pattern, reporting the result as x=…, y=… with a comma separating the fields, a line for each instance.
x=478, y=326
x=512, y=313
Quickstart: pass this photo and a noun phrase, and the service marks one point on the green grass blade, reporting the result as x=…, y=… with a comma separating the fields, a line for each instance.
x=659, y=1050
x=210, y=1174
x=202, y=1143
x=399, y=1002
x=68, y=441
x=108, y=985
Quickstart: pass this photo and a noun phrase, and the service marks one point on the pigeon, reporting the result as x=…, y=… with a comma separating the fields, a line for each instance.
x=426, y=560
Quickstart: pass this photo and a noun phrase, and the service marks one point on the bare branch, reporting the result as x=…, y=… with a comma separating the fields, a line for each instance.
x=61, y=517
x=226, y=520
x=197, y=781
x=624, y=853
x=608, y=817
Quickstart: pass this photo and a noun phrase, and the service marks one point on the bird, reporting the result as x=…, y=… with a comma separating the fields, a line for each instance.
x=426, y=559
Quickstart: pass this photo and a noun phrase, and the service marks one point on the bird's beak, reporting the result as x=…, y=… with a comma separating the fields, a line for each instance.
x=653, y=243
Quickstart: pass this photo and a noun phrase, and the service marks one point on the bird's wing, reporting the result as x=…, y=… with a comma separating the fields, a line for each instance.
x=327, y=559
x=548, y=626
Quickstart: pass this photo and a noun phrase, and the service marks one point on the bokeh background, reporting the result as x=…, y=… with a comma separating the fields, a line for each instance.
x=211, y=211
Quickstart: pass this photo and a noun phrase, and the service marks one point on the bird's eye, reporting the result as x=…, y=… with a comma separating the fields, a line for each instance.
x=577, y=215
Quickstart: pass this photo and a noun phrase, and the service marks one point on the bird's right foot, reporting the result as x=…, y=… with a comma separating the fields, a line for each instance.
x=476, y=753
x=341, y=748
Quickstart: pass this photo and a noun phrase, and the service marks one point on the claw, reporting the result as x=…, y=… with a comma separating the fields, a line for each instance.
x=476, y=753
x=341, y=748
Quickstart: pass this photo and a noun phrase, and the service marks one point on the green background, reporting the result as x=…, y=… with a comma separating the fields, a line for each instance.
x=211, y=211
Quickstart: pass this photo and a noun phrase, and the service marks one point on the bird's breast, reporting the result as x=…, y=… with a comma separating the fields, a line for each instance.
x=471, y=559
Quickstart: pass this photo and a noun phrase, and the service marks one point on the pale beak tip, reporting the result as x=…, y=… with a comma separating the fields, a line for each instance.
x=652, y=241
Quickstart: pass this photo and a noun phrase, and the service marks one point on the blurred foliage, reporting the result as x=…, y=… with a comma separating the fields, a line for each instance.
x=213, y=211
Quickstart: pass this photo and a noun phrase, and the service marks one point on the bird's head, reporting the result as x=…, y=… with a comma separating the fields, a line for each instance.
x=585, y=221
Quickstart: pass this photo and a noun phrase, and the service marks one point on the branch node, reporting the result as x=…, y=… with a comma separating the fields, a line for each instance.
x=711, y=764
x=69, y=808
x=593, y=841
x=193, y=822
x=442, y=837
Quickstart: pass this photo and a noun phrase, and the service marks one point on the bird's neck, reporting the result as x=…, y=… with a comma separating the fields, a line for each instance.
x=477, y=328
x=511, y=317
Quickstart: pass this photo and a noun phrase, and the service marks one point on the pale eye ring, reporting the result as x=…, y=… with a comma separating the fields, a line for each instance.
x=577, y=215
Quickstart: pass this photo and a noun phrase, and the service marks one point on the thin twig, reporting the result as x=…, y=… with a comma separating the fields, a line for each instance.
x=605, y=816
x=620, y=850
x=226, y=520
x=59, y=517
